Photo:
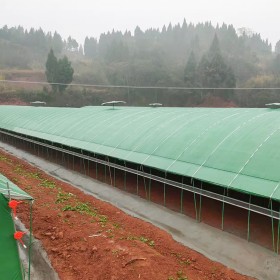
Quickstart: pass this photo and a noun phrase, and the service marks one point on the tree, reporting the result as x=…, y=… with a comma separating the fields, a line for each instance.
x=51, y=70
x=72, y=45
x=64, y=73
x=277, y=47
x=90, y=47
x=276, y=65
x=190, y=71
x=213, y=70
x=57, y=43
x=59, y=73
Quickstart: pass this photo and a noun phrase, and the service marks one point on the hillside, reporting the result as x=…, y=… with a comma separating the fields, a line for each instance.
x=183, y=55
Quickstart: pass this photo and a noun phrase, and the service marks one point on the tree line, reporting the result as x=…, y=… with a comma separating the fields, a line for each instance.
x=189, y=55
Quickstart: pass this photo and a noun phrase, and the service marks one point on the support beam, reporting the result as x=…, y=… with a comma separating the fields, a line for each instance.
x=194, y=198
x=223, y=210
x=248, y=226
x=278, y=234
x=272, y=228
x=164, y=189
x=182, y=194
x=200, y=203
x=137, y=183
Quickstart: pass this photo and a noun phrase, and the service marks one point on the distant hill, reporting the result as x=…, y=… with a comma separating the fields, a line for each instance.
x=152, y=57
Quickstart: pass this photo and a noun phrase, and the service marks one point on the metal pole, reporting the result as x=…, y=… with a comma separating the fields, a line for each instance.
x=84, y=165
x=278, y=234
x=137, y=183
x=124, y=178
x=105, y=174
x=150, y=185
x=48, y=153
x=249, y=214
x=114, y=174
x=144, y=180
x=223, y=210
x=164, y=186
x=62, y=156
x=200, y=203
x=195, y=206
x=111, y=181
x=30, y=241
x=96, y=170
x=272, y=227
x=73, y=162
x=9, y=191
x=182, y=193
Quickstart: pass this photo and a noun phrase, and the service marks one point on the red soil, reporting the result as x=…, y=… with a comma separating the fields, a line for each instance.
x=217, y=102
x=102, y=242
x=14, y=101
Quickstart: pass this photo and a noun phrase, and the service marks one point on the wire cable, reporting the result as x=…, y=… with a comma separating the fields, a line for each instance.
x=138, y=87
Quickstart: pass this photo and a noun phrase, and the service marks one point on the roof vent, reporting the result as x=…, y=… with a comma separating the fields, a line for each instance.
x=113, y=103
x=273, y=105
x=154, y=105
x=38, y=103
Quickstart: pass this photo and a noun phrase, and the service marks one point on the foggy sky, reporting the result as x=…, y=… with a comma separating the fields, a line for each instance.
x=91, y=18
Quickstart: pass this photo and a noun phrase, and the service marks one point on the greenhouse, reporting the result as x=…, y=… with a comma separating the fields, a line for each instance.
x=187, y=159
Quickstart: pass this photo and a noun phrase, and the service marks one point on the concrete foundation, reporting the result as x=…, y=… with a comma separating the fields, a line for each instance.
x=41, y=268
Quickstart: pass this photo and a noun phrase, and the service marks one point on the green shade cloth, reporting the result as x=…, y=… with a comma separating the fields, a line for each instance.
x=231, y=147
x=10, y=266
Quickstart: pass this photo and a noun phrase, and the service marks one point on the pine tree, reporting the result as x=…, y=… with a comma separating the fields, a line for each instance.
x=90, y=47
x=57, y=43
x=213, y=70
x=277, y=47
x=58, y=71
x=276, y=65
x=190, y=75
x=64, y=73
x=51, y=69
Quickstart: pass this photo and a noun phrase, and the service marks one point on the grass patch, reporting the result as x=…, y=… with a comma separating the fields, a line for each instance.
x=180, y=276
x=47, y=184
x=18, y=170
x=103, y=220
x=62, y=197
x=141, y=238
x=3, y=158
x=81, y=208
x=116, y=225
x=35, y=175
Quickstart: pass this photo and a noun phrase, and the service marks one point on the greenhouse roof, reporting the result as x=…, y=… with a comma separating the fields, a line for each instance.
x=231, y=147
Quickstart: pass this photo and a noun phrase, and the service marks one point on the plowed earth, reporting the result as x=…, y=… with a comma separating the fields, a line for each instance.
x=86, y=238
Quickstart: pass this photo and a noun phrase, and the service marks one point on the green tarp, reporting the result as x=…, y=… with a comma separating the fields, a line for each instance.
x=231, y=147
x=10, y=265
